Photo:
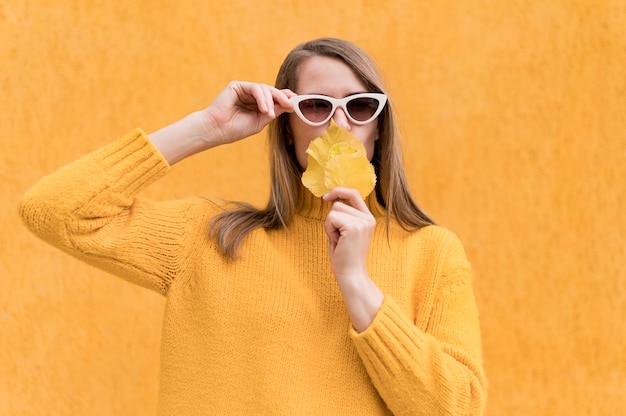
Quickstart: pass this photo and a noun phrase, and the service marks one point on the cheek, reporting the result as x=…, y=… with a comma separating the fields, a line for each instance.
x=368, y=137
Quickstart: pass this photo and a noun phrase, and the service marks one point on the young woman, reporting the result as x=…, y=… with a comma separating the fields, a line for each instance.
x=332, y=306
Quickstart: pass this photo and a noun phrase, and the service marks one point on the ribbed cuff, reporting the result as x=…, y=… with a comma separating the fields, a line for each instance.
x=133, y=161
x=390, y=337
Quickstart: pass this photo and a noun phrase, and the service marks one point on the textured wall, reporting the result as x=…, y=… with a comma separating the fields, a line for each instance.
x=513, y=114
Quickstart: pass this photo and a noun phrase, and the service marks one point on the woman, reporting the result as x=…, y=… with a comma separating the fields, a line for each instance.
x=330, y=306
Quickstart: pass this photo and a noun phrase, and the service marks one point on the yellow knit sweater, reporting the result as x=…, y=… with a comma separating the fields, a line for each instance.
x=268, y=334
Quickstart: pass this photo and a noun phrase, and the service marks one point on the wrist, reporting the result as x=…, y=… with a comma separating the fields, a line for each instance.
x=363, y=300
x=208, y=129
x=184, y=138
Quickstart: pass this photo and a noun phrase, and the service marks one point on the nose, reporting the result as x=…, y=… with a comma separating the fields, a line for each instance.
x=341, y=119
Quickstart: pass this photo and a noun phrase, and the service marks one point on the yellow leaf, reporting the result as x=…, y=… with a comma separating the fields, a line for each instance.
x=337, y=158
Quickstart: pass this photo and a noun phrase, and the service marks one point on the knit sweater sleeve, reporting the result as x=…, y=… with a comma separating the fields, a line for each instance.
x=89, y=209
x=437, y=370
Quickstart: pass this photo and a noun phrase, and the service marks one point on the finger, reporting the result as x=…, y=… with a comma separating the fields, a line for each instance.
x=269, y=99
x=344, y=207
x=281, y=100
x=288, y=93
x=259, y=94
x=282, y=96
x=338, y=224
x=334, y=224
x=331, y=227
x=351, y=195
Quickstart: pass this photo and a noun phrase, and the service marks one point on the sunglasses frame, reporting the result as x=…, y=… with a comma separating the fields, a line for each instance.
x=338, y=102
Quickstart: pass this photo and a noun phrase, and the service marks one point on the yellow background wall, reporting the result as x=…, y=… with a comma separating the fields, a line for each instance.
x=514, y=122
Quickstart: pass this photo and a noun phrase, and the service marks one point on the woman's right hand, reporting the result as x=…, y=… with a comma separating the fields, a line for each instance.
x=240, y=110
x=243, y=109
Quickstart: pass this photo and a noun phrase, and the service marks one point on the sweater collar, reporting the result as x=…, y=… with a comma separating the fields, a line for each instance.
x=311, y=206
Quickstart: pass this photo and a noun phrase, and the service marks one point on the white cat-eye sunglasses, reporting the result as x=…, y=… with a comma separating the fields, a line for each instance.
x=316, y=110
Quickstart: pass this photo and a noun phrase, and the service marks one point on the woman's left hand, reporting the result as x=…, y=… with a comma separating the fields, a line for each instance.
x=349, y=227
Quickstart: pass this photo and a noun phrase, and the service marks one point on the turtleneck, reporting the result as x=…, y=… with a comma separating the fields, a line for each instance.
x=313, y=207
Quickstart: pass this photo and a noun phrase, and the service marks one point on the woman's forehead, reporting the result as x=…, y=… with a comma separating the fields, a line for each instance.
x=327, y=76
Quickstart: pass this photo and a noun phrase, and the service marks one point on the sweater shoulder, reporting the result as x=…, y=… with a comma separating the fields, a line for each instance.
x=446, y=250
x=437, y=237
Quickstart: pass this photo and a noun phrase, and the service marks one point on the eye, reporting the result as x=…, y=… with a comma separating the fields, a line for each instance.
x=315, y=105
x=315, y=109
x=362, y=108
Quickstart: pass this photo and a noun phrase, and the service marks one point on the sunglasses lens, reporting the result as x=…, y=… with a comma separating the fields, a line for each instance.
x=315, y=109
x=362, y=109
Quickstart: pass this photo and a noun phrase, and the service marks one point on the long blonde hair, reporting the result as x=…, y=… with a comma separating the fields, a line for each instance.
x=230, y=227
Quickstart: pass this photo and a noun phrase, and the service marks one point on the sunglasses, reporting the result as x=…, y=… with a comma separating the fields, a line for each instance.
x=360, y=109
